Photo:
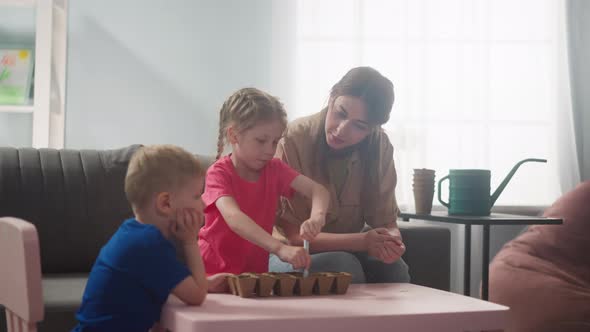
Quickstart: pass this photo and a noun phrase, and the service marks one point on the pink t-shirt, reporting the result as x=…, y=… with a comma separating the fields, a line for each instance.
x=221, y=248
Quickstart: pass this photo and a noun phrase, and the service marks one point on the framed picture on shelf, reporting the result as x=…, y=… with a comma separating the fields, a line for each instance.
x=16, y=71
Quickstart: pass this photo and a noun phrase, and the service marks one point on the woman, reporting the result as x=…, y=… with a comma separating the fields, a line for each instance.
x=344, y=148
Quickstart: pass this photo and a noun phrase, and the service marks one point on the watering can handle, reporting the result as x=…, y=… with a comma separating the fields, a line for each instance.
x=439, y=192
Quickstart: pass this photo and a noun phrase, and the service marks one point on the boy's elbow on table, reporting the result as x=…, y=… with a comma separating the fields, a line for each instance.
x=189, y=292
x=195, y=299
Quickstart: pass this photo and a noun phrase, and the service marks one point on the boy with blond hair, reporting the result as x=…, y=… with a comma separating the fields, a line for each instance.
x=137, y=269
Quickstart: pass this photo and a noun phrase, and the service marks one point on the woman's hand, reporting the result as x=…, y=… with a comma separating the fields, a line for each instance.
x=296, y=256
x=217, y=283
x=384, y=245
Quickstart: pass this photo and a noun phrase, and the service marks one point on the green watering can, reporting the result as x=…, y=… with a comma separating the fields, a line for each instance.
x=469, y=190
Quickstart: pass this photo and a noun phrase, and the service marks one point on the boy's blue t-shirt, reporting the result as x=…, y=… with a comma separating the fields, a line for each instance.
x=130, y=280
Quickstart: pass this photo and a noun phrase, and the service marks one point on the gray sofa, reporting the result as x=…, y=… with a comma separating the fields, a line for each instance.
x=76, y=200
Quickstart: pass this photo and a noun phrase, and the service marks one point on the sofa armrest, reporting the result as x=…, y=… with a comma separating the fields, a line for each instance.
x=428, y=254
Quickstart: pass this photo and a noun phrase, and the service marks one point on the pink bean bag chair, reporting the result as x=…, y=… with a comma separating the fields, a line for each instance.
x=544, y=274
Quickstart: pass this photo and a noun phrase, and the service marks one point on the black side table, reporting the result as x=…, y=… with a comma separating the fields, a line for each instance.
x=486, y=222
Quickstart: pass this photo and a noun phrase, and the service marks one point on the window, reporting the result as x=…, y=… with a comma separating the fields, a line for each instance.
x=475, y=82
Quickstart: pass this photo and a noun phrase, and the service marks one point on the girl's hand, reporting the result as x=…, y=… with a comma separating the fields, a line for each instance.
x=185, y=227
x=296, y=256
x=217, y=283
x=311, y=228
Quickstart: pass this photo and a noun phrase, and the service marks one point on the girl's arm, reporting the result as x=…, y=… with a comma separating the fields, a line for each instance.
x=324, y=241
x=244, y=226
x=377, y=242
x=320, y=200
x=240, y=223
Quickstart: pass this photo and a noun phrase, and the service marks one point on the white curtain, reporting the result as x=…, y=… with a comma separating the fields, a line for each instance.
x=478, y=83
x=567, y=152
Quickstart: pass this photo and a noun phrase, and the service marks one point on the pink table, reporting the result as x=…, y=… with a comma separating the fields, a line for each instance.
x=370, y=307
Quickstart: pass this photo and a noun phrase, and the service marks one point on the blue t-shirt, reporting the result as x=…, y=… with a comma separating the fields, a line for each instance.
x=130, y=280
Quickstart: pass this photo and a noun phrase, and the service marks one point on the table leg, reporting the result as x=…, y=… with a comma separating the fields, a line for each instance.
x=485, y=268
x=467, y=262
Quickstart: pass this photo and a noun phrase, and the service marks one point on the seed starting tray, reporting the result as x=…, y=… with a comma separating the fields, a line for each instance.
x=288, y=284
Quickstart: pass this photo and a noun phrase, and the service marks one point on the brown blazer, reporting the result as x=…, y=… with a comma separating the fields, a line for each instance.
x=346, y=213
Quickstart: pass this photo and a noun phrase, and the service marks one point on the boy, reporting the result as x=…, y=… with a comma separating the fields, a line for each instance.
x=137, y=269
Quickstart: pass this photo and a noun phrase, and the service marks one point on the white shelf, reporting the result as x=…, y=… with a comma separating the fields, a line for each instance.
x=16, y=108
x=50, y=72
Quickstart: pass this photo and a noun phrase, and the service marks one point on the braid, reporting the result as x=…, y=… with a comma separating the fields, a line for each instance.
x=220, y=142
x=230, y=106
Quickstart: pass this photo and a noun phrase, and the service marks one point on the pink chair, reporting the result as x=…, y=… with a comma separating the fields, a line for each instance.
x=20, y=280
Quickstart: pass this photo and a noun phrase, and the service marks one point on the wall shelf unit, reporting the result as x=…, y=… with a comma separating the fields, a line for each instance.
x=48, y=108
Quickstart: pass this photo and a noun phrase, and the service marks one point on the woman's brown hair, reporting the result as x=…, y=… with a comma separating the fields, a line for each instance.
x=376, y=91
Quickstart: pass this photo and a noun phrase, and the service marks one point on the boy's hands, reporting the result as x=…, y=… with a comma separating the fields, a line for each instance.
x=217, y=283
x=185, y=227
x=311, y=228
x=296, y=256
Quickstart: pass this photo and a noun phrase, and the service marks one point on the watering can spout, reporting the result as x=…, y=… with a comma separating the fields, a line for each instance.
x=509, y=177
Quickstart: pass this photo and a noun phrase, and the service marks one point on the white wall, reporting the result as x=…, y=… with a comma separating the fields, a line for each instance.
x=158, y=71
x=153, y=71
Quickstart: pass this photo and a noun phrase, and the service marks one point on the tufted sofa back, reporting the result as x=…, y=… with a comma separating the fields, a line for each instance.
x=75, y=198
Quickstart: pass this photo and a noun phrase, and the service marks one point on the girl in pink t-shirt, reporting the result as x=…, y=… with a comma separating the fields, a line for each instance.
x=242, y=190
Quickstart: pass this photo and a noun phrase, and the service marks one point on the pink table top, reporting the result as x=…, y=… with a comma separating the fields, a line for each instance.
x=368, y=307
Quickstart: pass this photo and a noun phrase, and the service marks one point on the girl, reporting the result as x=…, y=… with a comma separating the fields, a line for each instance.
x=243, y=189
